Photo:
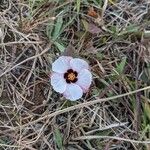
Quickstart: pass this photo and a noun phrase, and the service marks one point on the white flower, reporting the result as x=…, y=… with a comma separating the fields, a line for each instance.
x=71, y=77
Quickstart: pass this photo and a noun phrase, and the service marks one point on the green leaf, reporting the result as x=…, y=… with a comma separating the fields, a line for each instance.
x=85, y=24
x=49, y=30
x=58, y=139
x=98, y=3
x=120, y=67
x=113, y=29
x=78, y=6
x=130, y=29
x=58, y=26
x=147, y=109
x=59, y=46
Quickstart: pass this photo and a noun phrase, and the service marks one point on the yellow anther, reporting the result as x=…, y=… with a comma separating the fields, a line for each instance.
x=71, y=76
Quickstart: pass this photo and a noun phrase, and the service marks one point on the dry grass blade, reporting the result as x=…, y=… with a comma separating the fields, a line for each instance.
x=30, y=58
x=111, y=137
x=79, y=106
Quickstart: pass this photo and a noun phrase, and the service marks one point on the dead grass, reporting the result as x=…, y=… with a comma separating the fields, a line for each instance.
x=113, y=36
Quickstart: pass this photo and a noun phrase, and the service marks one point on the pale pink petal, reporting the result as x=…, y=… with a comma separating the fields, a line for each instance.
x=84, y=79
x=58, y=82
x=78, y=64
x=73, y=92
x=62, y=64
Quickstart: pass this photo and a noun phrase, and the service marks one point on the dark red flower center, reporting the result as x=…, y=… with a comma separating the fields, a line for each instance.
x=71, y=76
